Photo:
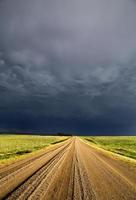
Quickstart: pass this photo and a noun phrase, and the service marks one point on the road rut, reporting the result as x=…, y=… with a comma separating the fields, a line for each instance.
x=71, y=170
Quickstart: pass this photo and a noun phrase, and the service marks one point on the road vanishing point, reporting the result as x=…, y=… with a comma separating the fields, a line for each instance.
x=70, y=170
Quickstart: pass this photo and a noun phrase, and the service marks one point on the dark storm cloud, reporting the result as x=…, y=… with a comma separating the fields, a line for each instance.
x=68, y=65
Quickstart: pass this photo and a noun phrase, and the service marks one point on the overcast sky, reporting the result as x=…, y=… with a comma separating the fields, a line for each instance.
x=68, y=66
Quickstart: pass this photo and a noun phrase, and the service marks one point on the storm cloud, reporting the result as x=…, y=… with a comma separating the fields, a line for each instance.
x=68, y=66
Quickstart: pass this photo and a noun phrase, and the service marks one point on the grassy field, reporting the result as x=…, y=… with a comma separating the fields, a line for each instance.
x=13, y=146
x=123, y=145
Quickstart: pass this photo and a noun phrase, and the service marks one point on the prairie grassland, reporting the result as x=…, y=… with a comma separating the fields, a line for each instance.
x=123, y=145
x=67, y=171
x=13, y=146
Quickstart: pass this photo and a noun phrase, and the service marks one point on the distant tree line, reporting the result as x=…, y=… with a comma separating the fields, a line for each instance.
x=64, y=134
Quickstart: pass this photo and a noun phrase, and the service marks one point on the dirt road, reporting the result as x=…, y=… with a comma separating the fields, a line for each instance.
x=71, y=170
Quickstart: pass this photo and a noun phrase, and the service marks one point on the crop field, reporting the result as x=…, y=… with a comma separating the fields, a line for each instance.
x=13, y=146
x=123, y=145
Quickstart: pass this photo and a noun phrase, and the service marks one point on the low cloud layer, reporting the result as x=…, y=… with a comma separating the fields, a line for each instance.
x=68, y=66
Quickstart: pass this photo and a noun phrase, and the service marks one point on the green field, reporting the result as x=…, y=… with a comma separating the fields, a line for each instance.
x=13, y=146
x=123, y=145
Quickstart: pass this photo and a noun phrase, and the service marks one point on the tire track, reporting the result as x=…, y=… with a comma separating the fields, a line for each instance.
x=60, y=177
x=106, y=181
x=21, y=163
x=70, y=171
x=28, y=187
x=13, y=180
x=82, y=185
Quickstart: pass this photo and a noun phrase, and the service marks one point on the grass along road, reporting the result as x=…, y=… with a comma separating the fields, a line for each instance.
x=122, y=145
x=70, y=170
x=15, y=146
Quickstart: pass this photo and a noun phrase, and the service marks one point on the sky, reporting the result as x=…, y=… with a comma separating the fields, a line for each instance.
x=68, y=66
